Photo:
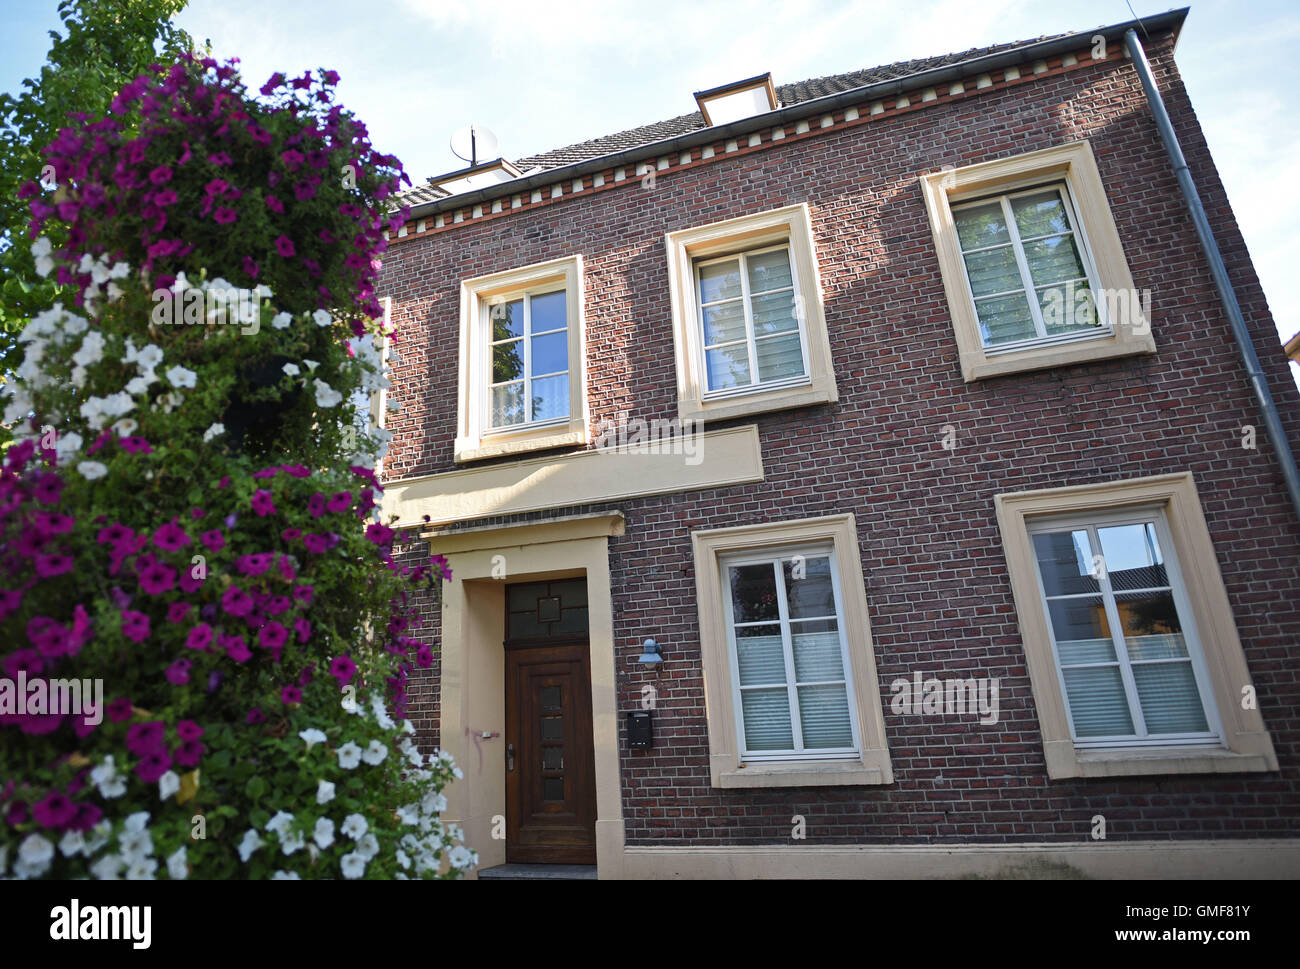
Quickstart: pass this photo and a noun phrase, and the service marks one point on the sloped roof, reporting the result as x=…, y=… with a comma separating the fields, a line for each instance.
x=787, y=94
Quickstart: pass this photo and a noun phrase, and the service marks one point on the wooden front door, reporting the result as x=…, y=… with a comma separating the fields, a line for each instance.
x=550, y=763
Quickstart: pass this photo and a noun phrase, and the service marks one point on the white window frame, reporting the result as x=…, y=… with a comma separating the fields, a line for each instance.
x=1004, y=195
x=751, y=338
x=790, y=226
x=1074, y=165
x=476, y=438
x=774, y=557
x=1187, y=618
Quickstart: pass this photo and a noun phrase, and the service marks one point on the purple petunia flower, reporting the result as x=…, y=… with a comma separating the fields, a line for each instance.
x=141, y=738
x=170, y=537
x=284, y=246
x=343, y=669
x=188, y=730
x=214, y=540
x=119, y=710
x=290, y=694
x=262, y=503
x=200, y=636
x=153, y=765
x=55, y=811
x=272, y=635
x=179, y=672
x=236, y=602
x=135, y=625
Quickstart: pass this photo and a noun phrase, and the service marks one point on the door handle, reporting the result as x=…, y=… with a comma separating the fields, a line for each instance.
x=510, y=757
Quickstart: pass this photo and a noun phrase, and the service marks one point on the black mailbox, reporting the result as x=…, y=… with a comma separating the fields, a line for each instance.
x=640, y=729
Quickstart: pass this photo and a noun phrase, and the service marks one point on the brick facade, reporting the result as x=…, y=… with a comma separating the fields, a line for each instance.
x=936, y=580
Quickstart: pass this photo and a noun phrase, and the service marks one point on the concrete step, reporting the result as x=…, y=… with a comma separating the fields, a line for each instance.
x=538, y=873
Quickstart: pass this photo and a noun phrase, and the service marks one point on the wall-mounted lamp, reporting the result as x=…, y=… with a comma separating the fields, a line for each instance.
x=651, y=654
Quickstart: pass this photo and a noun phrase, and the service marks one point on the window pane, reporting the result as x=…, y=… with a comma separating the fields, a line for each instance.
x=508, y=405
x=550, y=398
x=1064, y=562
x=1040, y=214
x=507, y=320
x=1132, y=556
x=824, y=717
x=769, y=270
x=808, y=588
x=724, y=323
x=728, y=367
x=760, y=655
x=766, y=717
x=753, y=593
x=1068, y=306
x=549, y=312
x=1053, y=259
x=1170, y=701
x=1083, y=618
x=1074, y=652
x=524, y=597
x=779, y=357
x=720, y=280
x=817, y=653
x=981, y=225
x=1004, y=319
x=993, y=271
x=774, y=313
x=1098, y=706
x=550, y=353
x=507, y=361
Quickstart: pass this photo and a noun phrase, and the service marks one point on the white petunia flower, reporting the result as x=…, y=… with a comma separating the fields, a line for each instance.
x=149, y=357
x=354, y=826
x=409, y=814
x=380, y=711
x=106, y=778
x=214, y=431
x=138, y=385
x=349, y=755
x=326, y=396
x=176, y=866
x=292, y=841
x=79, y=375
x=125, y=427
x=460, y=857
x=252, y=841
x=107, y=868
x=433, y=803
x=72, y=843
x=120, y=270
x=286, y=876
x=179, y=376
x=115, y=292
x=92, y=349
x=92, y=470
x=142, y=869
x=67, y=443
x=168, y=785
x=323, y=834
x=325, y=792
x=310, y=364
x=135, y=844
x=41, y=247
x=281, y=821
x=291, y=369
x=86, y=264
x=375, y=753
x=368, y=847
x=99, y=836
x=312, y=736
x=281, y=321
x=322, y=318
x=354, y=866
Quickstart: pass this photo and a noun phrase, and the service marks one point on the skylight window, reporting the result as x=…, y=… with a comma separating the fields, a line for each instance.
x=477, y=176
x=740, y=99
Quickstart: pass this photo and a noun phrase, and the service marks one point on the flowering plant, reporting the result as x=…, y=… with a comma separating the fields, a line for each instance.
x=189, y=518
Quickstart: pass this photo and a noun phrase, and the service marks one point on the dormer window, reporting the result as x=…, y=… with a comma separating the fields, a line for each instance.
x=482, y=175
x=740, y=99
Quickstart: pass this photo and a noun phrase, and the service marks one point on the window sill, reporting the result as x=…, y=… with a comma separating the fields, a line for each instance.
x=976, y=365
x=802, y=773
x=478, y=449
x=820, y=390
x=1064, y=760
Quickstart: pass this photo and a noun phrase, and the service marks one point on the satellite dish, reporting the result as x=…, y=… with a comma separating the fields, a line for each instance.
x=472, y=143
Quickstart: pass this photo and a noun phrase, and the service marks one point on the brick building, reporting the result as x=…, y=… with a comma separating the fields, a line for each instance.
x=899, y=410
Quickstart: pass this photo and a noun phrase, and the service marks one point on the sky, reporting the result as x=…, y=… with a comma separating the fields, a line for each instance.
x=544, y=74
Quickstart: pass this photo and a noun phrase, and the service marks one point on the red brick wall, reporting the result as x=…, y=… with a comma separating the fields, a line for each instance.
x=936, y=581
